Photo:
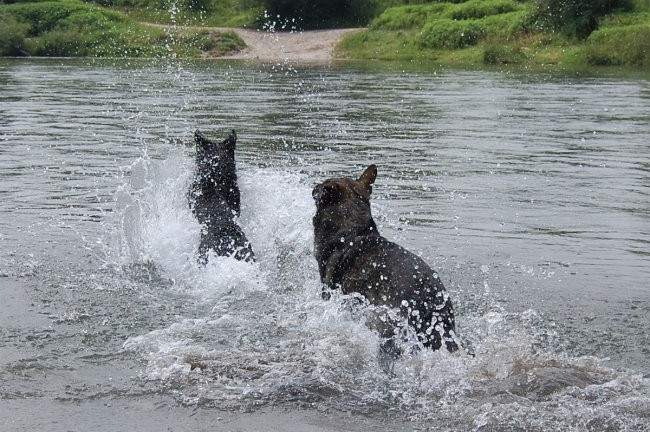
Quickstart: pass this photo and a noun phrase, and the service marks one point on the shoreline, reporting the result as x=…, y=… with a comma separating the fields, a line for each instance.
x=304, y=46
x=310, y=46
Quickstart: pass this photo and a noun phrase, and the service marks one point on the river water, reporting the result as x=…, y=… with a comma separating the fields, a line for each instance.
x=529, y=193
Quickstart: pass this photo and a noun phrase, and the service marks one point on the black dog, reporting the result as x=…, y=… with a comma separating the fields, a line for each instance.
x=354, y=257
x=215, y=199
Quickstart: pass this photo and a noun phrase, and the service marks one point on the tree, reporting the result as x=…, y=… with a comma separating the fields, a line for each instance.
x=318, y=14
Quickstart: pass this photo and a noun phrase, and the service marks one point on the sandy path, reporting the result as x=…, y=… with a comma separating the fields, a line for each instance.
x=307, y=46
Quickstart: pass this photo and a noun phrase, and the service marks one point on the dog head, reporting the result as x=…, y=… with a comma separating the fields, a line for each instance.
x=208, y=149
x=344, y=202
x=214, y=158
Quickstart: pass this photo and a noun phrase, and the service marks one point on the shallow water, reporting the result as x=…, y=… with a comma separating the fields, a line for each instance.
x=529, y=194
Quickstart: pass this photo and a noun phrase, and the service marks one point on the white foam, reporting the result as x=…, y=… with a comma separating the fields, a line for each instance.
x=267, y=337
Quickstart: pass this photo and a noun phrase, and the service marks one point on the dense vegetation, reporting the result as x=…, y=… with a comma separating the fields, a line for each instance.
x=318, y=14
x=565, y=33
x=75, y=28
x=223, y=13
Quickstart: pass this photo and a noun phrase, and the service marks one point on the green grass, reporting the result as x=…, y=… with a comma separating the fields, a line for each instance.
x=71, y=28
x=472, y=33
x=498, y=32
x=383, y=45
x=431, y=31
x=219, y=13
x=619, y=46
x=408, y=17
x=477, y=9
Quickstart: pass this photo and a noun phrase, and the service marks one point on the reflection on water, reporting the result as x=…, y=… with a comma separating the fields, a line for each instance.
x=530, y=195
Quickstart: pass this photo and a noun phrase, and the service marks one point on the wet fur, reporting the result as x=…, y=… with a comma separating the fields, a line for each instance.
x=353, y=257
x=215, y=199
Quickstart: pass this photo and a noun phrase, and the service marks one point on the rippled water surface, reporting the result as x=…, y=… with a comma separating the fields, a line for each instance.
x=529, y=193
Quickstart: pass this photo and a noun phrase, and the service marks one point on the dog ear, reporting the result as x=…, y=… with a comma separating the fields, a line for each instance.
x=202, y=143
x=199, y=138
x=368, y=178
x=369, y=175
x=230, y=142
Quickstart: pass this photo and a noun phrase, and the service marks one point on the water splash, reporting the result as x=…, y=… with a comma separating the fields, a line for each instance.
x=272, y=24
x=263, y=336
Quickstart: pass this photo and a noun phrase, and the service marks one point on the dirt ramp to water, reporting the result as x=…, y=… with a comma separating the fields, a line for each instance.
x=308, y=46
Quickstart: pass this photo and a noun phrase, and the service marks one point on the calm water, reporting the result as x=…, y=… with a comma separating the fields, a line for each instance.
x=529, y=194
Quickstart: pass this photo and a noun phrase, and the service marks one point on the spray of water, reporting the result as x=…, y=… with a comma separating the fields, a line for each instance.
x=263, y=336
x=260, y=335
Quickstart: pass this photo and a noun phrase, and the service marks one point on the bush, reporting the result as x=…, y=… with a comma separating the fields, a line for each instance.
x=12, y=36
x=44, y=16
x=618, y=46
x=476, y=9
x=91, y=18
x=575, y=18
x=215, y=43
x=319, y=14
x=408, y=17
x=71, y=28
x=59, y=43
x=450, y=34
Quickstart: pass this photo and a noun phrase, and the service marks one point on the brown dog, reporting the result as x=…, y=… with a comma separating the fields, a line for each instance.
x=353, y=257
